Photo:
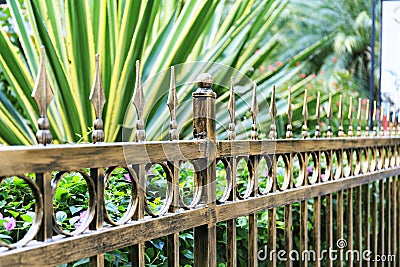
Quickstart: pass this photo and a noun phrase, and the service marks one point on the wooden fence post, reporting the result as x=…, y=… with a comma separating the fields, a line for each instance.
x=204, y=128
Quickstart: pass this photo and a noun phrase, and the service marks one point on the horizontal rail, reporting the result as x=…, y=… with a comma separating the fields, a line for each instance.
x=72, y=157
x=96, y=242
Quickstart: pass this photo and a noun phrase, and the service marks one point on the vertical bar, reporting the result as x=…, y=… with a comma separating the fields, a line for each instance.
x=138, y=250
x=329, y=225
x=205, y=247
x=98, y=99
x=375, y=221
x=288, y=209
x=97, y=223
x=253, y=230
x=394, y=217
x=272, y=220
x=231, y=224
x=43, y=180
x=350, y=211
x=367, y=214
x=359, y=224
x=339, y=222
x=388, y=226
x=173, y=239
x=317, y=200
x=382, y=238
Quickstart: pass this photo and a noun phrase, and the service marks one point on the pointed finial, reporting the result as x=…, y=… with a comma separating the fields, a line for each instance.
x=358, y=134
x=272, y=112
x=340, y=116
x=304, y=133
x=350, y=117
x=318, y=115
x=393, y=133
x=43, y=96
x=387, y=131
x=172, y=104
x=254, y=113
x=381, y=133
x=374, y=119
x=98, y=99
x=367, y=118
x=329, y=115
x=232, y=111
x=138, y=102
x=289, y=127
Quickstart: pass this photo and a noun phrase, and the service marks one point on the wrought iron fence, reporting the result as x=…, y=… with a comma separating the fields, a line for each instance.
x=345, y=188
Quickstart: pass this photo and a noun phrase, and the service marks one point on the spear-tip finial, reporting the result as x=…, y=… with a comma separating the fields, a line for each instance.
x=350, y=117
x=232, y=111
x=289, y=127
x=98, y=99
x=304, y=132
x=318, y=115
x=172, y=104
x=329, y=115
x=43, y=96
x=272, y=112
x=367, y=118
x=138, y=102
x=358, y=133
x=254, y=113
x=340, y=116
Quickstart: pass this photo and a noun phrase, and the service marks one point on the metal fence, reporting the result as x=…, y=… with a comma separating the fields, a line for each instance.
x=344, y=190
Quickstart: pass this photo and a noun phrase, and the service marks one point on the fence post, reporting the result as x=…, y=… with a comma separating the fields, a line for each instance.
x=204, y=128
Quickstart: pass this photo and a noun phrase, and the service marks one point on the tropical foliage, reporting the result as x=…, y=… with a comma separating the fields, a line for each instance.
x=246, y=37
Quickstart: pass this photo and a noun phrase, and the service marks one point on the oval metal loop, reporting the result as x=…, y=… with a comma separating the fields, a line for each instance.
x=36, y=222
x=91, y=207
x=250, y=177
x=133, y=201
x=168, y=192
x=228, y=187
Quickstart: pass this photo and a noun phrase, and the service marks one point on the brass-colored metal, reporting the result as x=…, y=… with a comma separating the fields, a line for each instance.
x=381, y=132
x=318, y=115
x=98, y=100
x=350, y=117
x=173, y=106
x=289, y=127
x=358, y=134
x=304, y=132
x=43, y=96
x=138, y=102
x=232, y=113
x=272, y=112
x=374, y=119
x=329, y=115
x=254, y=113
x=387, y=130
x=367, y=119
x=340, y=116
x=393, y=132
